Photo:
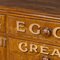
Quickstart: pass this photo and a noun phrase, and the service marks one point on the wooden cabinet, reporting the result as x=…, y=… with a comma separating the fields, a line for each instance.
x=38, y=32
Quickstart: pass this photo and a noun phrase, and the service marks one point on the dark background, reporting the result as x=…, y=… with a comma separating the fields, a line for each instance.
x=51, y=6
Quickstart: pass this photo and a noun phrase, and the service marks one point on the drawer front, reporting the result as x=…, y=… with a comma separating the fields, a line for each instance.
x=43, y=29
x=2, y=23
x=31, y=50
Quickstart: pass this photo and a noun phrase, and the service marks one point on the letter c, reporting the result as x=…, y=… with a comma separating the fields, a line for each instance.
x=23, y=44
x=55, y=32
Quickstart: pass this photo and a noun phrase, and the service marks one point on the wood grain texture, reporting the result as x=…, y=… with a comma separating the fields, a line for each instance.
x=29, y=16
x=15, y=53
